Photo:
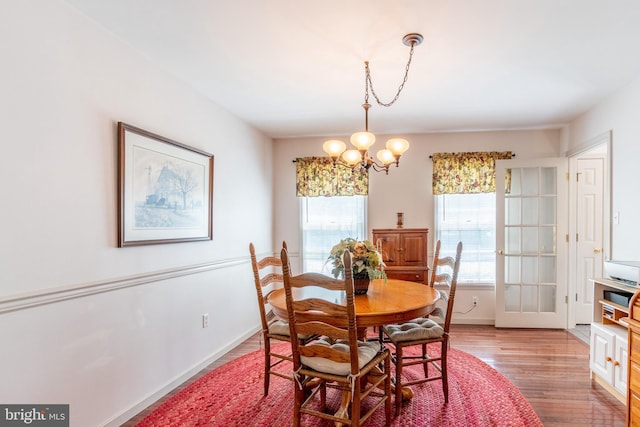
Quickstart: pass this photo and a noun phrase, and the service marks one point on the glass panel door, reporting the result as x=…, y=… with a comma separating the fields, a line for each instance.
x=530, y=239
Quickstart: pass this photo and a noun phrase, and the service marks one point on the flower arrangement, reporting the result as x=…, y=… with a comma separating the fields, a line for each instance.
x=366, y=259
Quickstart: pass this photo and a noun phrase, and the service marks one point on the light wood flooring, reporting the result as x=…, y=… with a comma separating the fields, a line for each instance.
x=550, y=367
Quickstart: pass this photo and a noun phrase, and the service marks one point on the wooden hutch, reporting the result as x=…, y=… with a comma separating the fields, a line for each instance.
x=404, y=251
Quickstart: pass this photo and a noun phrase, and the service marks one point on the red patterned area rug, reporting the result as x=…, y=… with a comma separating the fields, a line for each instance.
x=232, y=395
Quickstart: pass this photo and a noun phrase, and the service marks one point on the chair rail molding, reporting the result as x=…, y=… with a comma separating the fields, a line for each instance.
x=54, y=295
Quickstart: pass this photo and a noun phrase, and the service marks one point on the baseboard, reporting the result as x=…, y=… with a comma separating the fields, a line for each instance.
x=473, y=321
x=167, y=388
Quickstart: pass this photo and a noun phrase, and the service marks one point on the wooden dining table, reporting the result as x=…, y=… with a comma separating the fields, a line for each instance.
x=393, y=301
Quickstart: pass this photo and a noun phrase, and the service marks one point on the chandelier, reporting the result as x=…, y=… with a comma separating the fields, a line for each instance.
x=362, y=141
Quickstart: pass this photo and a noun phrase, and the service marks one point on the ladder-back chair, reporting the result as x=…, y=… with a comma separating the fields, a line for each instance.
x=359, y=369
x=267, y=274
x=424, y=331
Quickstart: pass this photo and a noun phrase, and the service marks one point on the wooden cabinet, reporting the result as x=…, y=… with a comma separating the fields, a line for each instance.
x=609, y=345
x=633, y=383
x=608, y=357
x=404, y=251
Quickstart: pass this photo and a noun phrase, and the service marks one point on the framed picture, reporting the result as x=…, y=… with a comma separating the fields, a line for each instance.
x=165, y=190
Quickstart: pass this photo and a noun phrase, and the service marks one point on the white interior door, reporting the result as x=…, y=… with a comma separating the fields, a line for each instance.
x=531, y=233
x=589, y=233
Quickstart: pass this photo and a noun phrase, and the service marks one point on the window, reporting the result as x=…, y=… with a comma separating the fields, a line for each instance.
x=469, y=218
x=324, y=222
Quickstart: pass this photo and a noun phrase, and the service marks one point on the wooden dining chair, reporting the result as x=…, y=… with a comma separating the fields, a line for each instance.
x=337, y=360
x=424, y=331
x=436, y=262
x=267, y=274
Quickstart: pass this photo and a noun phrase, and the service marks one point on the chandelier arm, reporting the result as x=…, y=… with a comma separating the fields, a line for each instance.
x=379, y=168
x=369, y=83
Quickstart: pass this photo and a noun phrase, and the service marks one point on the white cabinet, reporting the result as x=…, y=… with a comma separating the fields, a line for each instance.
x=609, y=358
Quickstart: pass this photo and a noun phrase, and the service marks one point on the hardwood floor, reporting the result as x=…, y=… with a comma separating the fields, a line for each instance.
x=550, y=367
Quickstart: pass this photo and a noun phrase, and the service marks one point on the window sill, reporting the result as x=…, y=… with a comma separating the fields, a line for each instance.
x=476, y=286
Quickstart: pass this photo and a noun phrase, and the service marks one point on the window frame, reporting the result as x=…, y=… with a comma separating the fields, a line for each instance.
x=462, y=282
x=303, y=210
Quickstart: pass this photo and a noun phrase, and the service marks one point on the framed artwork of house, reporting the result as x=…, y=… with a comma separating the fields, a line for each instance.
x=165, y=190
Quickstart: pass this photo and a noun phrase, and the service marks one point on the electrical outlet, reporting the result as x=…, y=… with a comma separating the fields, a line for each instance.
x=475, y=301
x=205, y=320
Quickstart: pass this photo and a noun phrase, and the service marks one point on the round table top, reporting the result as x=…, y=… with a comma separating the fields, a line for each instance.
x=396, y=301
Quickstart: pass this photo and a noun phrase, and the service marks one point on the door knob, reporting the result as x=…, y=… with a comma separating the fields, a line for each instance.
x=500, y=252
x=597, y=250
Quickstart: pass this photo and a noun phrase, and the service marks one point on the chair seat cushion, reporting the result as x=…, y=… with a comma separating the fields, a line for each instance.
x=279, y=328
x=438, y=312
x=417, y=329
x=367, y=350
x=282, y=328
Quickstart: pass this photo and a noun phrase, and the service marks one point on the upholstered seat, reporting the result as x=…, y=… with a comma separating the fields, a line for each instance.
x=279, y=328
x=417, y=329
x=366, y=352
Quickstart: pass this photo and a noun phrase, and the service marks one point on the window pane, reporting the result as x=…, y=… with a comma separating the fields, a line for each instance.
x=530, y=181
x=512, y=298
x=470, y=219
x=547, y=210
x=529, y=211
x=325, y=221
x=513, y=211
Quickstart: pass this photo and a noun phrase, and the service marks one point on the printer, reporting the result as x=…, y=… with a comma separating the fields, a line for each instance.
x=625, y=272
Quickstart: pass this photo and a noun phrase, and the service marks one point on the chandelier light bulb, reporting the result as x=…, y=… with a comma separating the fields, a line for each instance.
x=334, y=147
x=352, y=157
x=397, y=146
x=386, y=157
x=363, y=140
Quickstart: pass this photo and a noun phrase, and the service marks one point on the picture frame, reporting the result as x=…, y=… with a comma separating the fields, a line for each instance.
x=165, y=190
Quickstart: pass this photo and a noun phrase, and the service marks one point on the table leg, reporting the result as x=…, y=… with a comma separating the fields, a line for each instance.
x=407, y=393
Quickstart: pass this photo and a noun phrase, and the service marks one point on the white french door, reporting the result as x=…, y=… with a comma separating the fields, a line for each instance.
x=531, y=245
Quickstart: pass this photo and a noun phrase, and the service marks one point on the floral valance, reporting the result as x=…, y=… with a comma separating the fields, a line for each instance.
x=466, y=173
x=319, y=176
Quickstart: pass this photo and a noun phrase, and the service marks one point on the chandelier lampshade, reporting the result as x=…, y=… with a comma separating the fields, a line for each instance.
x=363, y=140
x=386, y=157
x=352, y=157
x=397, y=146
x=334, y=147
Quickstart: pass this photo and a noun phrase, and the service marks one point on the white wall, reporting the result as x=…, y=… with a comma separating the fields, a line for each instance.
x=84, y=322
x=618, y=114
x=407, y=189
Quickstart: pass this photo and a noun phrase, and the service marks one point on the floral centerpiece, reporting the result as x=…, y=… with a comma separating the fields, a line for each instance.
x=367, y=262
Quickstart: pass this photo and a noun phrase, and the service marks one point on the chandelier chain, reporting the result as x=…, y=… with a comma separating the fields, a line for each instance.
x=369, y=83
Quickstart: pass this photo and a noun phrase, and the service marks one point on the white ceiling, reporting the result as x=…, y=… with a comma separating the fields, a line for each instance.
x=296, y=67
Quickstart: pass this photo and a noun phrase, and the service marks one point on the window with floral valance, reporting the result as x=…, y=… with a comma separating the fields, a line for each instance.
x=319, y=176
x=466, y=173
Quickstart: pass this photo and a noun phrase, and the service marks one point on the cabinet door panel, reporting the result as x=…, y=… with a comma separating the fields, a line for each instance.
x=635, y=346
x=634, y=377
x=620, y=365
x=634, y=408
x=413, y=249
x=601, y=353
x=390, y=245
